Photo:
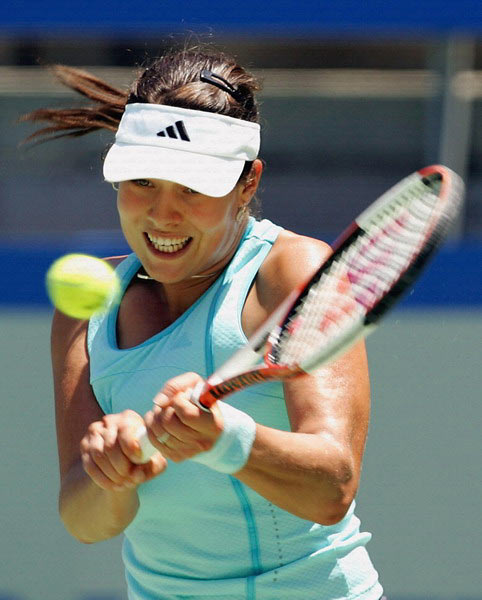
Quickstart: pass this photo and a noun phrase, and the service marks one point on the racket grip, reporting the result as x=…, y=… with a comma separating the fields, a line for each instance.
x=147, y=449
x=196, y=397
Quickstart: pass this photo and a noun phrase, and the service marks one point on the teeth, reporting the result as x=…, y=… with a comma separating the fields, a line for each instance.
x=168, y=244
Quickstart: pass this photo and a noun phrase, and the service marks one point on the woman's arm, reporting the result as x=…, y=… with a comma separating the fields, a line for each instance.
x=314, y=473
x=98, y=476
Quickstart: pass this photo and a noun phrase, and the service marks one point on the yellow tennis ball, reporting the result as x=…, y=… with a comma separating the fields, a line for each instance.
x=80, y=285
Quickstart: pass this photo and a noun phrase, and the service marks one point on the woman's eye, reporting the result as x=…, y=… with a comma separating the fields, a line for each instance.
x=190, y=191
x=141, y=182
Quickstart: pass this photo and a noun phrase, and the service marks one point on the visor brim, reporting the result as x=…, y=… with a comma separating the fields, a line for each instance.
x=210, y=175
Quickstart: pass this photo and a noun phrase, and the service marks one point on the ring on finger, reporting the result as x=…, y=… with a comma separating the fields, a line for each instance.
x=163, y=438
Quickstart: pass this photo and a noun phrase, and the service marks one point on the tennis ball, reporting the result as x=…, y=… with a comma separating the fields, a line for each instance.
x=80, y=285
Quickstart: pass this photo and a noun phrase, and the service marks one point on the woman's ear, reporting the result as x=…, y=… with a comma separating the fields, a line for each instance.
x=251, y=184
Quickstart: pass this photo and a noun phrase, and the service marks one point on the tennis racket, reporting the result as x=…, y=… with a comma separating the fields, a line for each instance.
x=373, y=263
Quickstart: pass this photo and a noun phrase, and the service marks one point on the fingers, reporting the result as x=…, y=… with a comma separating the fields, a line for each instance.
x=180, y=429
x=174, y=439
x=110, y=452
x=182, y=383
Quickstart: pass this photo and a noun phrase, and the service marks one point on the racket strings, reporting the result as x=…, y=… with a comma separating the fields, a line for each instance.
x=325, y=309
x=358, y=278
x=392, y=240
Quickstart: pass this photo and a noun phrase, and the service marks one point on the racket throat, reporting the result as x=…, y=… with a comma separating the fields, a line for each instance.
x=244, y=380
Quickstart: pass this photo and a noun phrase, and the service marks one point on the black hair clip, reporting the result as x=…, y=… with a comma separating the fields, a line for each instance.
x=222, y=84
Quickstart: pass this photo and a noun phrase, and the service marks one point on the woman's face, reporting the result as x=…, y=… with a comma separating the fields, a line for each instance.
x=176, y=232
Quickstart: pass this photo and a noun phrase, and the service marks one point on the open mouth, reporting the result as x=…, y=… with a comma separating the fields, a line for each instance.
x=168, y=245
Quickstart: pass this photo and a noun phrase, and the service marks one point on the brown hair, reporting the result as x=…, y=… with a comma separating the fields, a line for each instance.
x=173, y=79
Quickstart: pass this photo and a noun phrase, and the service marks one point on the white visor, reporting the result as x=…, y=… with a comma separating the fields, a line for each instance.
x=203, y=151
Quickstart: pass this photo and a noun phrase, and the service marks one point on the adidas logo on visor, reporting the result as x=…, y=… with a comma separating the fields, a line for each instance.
x=176, y=132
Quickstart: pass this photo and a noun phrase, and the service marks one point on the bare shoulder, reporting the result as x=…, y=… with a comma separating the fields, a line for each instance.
x=292, y=261
x=68, y=346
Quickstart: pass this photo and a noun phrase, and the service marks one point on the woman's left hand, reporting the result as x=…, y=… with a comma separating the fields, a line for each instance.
x=176, y=426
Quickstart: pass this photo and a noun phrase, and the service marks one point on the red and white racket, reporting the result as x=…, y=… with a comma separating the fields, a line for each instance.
x=373, y=262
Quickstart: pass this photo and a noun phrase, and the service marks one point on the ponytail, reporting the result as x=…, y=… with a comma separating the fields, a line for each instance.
x=105, y=112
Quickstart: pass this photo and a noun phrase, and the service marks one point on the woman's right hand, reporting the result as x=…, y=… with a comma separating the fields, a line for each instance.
x=111, y=454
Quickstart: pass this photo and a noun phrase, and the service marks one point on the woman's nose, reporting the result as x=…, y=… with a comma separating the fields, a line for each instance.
x=164, y=208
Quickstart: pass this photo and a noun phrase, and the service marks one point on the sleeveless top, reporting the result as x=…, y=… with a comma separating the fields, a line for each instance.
x=203, y=534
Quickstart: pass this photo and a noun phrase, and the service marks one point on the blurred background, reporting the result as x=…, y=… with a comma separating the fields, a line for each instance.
x=356, y=96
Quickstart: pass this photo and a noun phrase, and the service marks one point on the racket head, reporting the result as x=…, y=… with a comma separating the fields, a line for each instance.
x=375, y=261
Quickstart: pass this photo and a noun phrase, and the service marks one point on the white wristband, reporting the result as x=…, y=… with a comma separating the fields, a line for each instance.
x=232, y=449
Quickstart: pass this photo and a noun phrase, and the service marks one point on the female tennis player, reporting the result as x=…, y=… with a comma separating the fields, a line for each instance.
x=254, y=498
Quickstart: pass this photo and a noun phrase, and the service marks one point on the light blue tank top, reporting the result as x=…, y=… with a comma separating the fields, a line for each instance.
x=199, y=533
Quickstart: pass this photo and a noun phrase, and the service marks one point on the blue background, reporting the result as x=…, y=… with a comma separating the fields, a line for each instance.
x=330, y=17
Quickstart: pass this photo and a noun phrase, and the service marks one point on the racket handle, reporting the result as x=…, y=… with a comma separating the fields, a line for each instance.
x=196, y=397
x=147, y=449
